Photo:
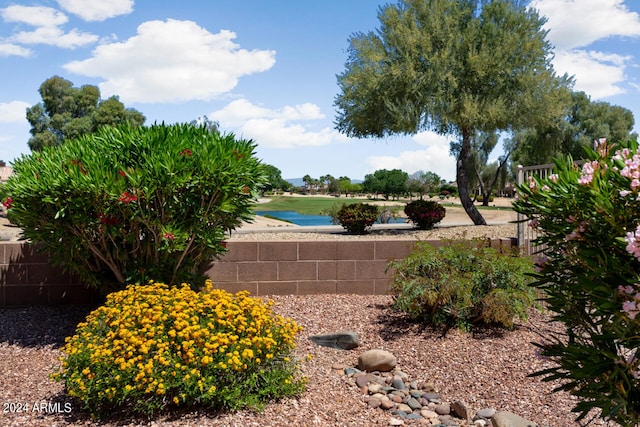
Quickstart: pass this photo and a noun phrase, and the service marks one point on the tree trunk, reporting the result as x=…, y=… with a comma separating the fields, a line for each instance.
x=463, y=180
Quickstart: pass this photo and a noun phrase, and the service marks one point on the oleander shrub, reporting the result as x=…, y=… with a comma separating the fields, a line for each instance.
x=588, y=267
x=424, y=213
x=462, y=284
x=129, y=204
x=357, y=218
x=153, y=347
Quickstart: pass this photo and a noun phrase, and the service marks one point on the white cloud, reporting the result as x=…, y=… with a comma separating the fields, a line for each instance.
x=97, y=10
x=13, y=112
x=435, y=158
x=578, y=23
x=172, y=61
x=600, y=75
x=55, y=36
x=48, y=31
x=36, y=16
x=11, y=49
x=275, y=128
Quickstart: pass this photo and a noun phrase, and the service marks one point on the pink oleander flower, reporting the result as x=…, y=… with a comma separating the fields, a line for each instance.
x=633, y=246
x=532, y=183
x=169, y=236
x=553, y=177
x=8, y=203
x=588, y=169
x=632, y=308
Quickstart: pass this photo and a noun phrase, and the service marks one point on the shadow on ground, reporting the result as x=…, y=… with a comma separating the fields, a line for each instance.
x=40, y=325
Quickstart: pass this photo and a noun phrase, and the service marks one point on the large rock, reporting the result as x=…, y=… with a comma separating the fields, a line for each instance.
x=507, y=419
x=337, y=340
x=377, y=360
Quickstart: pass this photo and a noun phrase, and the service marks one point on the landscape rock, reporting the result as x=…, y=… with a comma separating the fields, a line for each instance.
x=337, y=340
x=390, y=389
x=508, y=419
x=485, y=413
x=459, y=409
x=377, y=360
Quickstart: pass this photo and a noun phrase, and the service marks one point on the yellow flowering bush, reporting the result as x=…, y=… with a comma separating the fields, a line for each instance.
x=152, y=347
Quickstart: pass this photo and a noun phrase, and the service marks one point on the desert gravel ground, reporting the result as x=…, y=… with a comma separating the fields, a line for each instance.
x=487, y=369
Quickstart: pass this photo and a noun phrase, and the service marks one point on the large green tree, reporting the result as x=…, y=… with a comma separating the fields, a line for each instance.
x=388, y=182
x=453, y=66
x=66, y=112
x=583, y=122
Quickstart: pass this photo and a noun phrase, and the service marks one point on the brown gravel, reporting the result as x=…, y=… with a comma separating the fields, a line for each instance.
x=488, y=369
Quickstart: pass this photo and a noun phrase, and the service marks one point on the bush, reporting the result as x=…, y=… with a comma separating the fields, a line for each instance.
x=424, y=213
x=128, y=204
x=357, y=218
x=151, y=348
x=333, y=211
x=388, y=214
x=589, y=270
x=462, y=284
x=480, y=198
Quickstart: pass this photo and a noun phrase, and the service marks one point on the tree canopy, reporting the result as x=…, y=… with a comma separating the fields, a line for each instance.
x=583, y=122
x=453, y=66
x=66, y=112
x=388, y=182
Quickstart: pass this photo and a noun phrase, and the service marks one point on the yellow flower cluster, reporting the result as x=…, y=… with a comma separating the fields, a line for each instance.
x=156, y=340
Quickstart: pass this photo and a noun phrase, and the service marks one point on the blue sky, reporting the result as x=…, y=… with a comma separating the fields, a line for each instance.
x=266, y=69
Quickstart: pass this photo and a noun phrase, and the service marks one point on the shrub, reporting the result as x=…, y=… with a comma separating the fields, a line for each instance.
x=480, y=198
x=333, y=211
x=387, y=214
x=589, y=270
x=151, y=347
x=424, y=213
x=357, y=218
x=128, y=204
x=462, y=284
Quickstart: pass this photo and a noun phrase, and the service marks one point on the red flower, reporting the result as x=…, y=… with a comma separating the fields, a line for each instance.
x=186, y=153
x=169, y=236
x=108, y=219
x=122, y=174
x=127, y=198
x=245, y=189
x=7, y=203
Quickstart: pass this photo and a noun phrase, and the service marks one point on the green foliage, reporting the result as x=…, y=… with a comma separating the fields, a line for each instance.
x=357, y=218
x=584, y=121
x=411, y=75
x=388, y=182
x=424, y=213
x=589, y=270
x=333, y=212
x=67, y=112
x=462, y=284
x=274, y=179
x=128, y=204
x=481, y=198
x=152, y=348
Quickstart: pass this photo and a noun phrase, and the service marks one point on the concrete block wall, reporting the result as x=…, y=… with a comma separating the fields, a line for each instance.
x=305, y=267
x=27, y=278
x=292, y=267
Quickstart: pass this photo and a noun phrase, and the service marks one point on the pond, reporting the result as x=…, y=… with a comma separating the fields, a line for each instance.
x=298, y=218
x=303, y=219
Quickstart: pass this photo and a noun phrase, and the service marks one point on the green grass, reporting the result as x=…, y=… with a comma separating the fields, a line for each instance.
x=304, y=205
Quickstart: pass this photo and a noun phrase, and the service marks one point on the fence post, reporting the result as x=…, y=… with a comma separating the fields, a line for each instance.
x=520, y=233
